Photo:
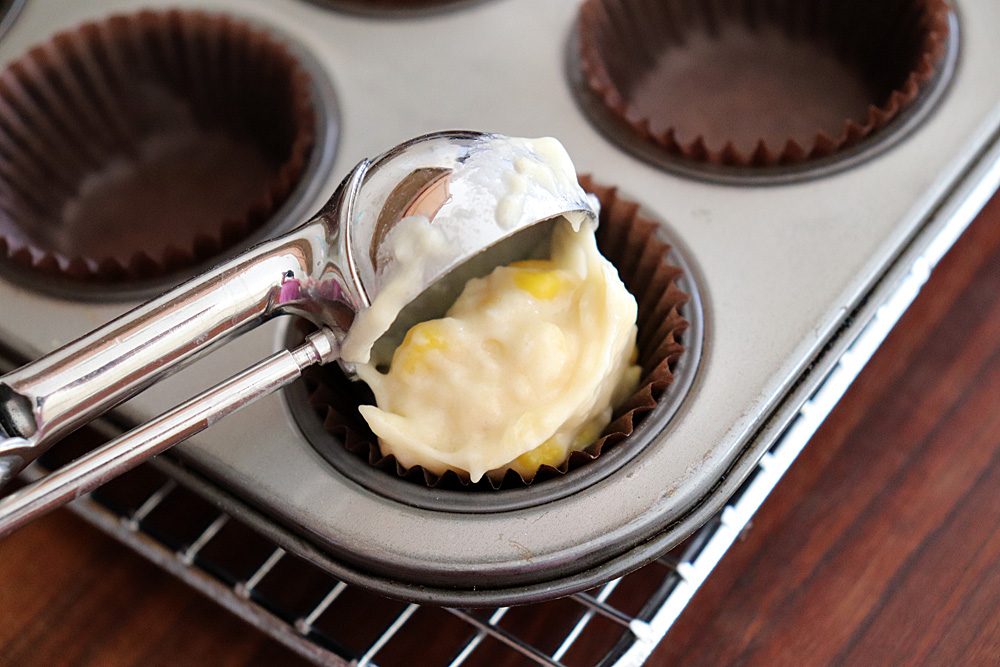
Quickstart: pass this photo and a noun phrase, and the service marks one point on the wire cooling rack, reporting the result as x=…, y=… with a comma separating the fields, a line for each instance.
x=173, y=517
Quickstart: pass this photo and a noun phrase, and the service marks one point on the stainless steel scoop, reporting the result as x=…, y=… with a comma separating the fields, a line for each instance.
x=470, y=187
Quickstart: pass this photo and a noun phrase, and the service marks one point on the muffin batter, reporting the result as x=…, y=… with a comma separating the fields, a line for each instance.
x=523, y=369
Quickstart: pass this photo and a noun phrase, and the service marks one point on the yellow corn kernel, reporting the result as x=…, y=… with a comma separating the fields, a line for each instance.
x=537, y=264
x=419, y=340
x=588, y=434
x=547, y=453
x=543, y=285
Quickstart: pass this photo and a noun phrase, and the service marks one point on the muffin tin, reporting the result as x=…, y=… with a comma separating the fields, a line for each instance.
x=788, y=274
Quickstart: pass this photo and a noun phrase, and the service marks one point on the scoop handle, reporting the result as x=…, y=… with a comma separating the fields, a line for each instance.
x=304, y=272
x=143, y=442
x=55, y=394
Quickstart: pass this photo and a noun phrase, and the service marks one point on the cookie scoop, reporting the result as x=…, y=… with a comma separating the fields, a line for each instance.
x=395, y=244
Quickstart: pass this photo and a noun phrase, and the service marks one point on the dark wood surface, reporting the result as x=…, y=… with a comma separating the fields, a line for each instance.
x=880, y=547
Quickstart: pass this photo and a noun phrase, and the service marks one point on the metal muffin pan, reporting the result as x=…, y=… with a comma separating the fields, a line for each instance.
x=788, y=274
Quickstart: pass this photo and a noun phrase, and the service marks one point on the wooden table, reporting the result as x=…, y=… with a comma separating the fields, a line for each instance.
x=880, y=547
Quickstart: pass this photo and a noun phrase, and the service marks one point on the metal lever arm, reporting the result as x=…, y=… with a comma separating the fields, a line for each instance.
x=145, y=441
x=299, y=272
x=54, y=395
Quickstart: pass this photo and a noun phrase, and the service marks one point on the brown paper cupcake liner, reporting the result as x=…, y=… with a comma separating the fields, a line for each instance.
x=629, y=241
x=147, y=142
x=755, y=83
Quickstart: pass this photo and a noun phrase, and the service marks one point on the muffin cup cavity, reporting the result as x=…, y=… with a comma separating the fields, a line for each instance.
x=753, y=83
x=136, y=146
x=630, y=242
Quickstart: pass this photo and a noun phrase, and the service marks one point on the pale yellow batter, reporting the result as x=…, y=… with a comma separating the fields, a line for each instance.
x=523, y=369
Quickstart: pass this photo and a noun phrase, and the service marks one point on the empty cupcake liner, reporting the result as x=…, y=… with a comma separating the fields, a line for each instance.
x=758, y=83
x=147, y=142
x=630, y=242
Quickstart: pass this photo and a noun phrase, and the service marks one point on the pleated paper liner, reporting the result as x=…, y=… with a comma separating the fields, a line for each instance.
x=629, y=241
x=148, y=142
x=755, y=83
